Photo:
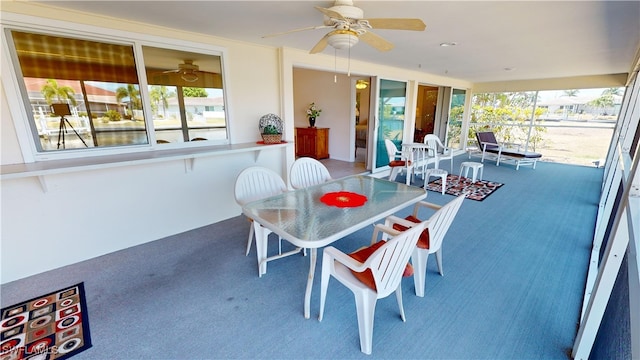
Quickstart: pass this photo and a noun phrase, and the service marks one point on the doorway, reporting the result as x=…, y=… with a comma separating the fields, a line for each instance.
x=363, y=99
x=427, y=103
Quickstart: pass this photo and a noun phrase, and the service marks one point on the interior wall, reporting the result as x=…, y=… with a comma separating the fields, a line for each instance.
x=10, y=152
x=332, y=94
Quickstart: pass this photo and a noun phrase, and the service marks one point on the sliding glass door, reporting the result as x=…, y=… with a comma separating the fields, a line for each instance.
x=456, y=114
x=391, y=102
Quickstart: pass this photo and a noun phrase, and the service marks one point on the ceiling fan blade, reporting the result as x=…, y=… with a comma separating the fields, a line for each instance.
x=376, y=41
x=321, y=45
x=330, y=13
x=297, y=30
x=397, y=24
x=171, y=71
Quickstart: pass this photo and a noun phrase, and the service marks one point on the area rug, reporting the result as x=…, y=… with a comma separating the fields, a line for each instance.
x=455, y=186
x=51, y=326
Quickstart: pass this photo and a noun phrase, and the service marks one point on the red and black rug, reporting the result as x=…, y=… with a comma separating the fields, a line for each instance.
x=455, y=186
x=51, y=326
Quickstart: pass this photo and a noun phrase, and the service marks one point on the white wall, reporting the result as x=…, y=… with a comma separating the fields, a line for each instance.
x=334, y=98
x=86, y=214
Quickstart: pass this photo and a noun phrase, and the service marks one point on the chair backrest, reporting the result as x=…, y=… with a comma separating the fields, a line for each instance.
x=487, y=137
x=439, y=223
x=389, y=261
x=307, y=171
x=434, y=143
x=256, y=182
x=392, y=150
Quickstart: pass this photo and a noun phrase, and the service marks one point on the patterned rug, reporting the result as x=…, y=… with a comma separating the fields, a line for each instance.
x=477, y=191
x=51, y=326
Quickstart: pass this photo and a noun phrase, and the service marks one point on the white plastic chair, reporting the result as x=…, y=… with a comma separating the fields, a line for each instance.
x=386, y=265
x=431, y=239
x=441, y=152
x=399, y=161
x=423, y=157
x=306, y=171
x=255, y=183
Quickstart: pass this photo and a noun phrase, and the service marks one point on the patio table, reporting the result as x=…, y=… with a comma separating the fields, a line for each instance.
x=301, y=218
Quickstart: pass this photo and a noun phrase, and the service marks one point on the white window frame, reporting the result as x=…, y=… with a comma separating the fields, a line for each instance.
x=17, y=104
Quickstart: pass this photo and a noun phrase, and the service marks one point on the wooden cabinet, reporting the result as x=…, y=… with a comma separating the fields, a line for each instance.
x=312, y=142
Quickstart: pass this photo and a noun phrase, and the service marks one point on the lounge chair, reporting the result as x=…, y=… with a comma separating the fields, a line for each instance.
x=490, y=148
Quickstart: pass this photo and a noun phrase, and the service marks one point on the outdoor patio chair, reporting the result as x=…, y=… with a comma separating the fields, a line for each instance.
x=431, y=238
x=399, y=161
x=255, y=183
x=441, y=152
x=490, y=147
x=306, y=171
x=371, y=273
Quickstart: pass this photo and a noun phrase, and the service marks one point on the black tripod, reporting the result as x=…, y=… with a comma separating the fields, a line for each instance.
x=63, y=129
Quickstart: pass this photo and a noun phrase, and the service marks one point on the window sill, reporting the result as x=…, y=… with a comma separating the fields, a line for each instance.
x=41, y=169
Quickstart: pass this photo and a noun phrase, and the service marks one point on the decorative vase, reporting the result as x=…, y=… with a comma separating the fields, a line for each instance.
x=312, y=121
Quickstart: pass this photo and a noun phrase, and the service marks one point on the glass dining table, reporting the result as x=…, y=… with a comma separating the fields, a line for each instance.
x=308, y=220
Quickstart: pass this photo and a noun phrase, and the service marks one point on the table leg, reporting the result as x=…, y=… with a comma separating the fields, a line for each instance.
x=261, y=247
x=307, y=293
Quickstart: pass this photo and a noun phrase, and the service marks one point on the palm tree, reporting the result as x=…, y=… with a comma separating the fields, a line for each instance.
x=159, y=95
x=603, y=102
x=52, y=91
x=611, y=91
x=132, y=93
x=572, y=92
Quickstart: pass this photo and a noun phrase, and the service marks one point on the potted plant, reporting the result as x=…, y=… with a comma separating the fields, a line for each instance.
x=313, y=111
x=271, y=129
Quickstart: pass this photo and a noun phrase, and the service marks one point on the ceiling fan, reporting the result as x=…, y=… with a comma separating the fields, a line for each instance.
x=349, y=26
x=188, y=71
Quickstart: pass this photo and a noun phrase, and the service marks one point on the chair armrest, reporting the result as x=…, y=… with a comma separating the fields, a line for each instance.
x=331, y=253
x=392, y=219
x=426, y=204
x=484, y=145
x=385, y=229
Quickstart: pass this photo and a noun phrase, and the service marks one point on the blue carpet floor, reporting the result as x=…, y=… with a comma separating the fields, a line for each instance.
x=515, y=267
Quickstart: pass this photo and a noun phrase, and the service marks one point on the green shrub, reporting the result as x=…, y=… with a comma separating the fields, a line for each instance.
x=113, y=115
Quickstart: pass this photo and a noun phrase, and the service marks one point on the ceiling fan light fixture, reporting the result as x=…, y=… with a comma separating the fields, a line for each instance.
x=343, y=39
x=189, y=77
x=361, y=84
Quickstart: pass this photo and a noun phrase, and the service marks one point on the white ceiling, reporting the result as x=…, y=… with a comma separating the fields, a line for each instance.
x=534, y=39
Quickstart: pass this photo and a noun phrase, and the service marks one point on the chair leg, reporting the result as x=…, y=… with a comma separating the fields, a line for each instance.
x=419, y=260
x=439, y=261
x=365, y=308
x=394, y=173
x=250, y=238
x=399, y=299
